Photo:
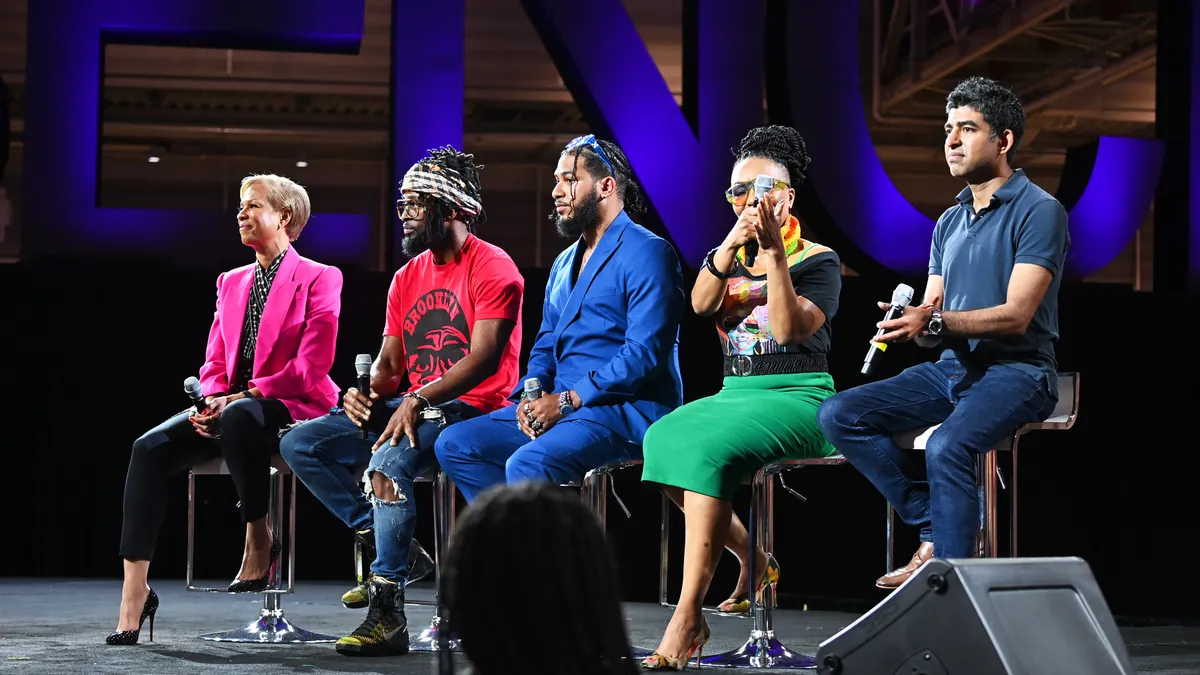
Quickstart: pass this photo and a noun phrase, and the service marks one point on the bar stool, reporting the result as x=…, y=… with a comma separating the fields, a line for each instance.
x=988, y=470
x=596, y=485
x=763, y=650
x=271, y=626
x=436, y=636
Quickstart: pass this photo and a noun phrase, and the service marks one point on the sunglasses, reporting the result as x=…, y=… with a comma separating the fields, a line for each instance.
x=738, y=193
x=590, y=141
x=409, y=210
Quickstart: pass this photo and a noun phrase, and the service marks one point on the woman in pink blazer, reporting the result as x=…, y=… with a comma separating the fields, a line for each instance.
x=267, y=365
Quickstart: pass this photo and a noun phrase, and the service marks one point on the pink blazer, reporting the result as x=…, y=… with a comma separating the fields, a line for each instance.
x=297, y=335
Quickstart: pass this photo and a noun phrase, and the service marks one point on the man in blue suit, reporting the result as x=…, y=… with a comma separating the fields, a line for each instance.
x=607, y=352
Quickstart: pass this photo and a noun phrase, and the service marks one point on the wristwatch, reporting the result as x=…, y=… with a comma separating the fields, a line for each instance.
x=935, y=322
x=564, y=404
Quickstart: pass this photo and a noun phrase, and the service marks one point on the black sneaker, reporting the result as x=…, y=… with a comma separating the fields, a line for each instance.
x=385, y=630
x=356, y=598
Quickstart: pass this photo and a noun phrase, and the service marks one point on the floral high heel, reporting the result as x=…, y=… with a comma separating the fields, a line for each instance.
x=130, y=637
x=770, y=578
x=657, y=661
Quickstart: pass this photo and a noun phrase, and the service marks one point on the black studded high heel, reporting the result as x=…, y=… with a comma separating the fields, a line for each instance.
x=260, y=584
x=130, y=637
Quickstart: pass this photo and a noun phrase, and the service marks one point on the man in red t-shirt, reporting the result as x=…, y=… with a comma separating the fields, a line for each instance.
x=452, y=340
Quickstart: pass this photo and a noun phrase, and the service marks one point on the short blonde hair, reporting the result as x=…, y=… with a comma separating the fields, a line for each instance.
x=284, y=194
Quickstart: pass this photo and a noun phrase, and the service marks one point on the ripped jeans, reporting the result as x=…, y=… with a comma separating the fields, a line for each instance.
x=401, y=464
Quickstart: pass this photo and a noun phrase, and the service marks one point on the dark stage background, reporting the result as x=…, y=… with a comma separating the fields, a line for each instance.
x=95, y=353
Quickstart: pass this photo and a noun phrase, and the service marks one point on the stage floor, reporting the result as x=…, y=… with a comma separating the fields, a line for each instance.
x=58, y=626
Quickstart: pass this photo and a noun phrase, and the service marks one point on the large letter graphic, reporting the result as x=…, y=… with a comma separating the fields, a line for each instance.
x=62, y=119
x=824, y=101
x=620, y=90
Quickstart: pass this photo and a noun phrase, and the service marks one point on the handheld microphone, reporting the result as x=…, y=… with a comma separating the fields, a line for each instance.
x=533, y=388
x=362, y=365
x=191, y=387
x=900, y=299
x=762, y=186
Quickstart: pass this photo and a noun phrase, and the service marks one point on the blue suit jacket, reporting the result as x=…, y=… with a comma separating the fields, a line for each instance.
x=613, y=337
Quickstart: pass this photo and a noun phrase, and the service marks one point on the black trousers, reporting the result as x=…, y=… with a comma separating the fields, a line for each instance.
x=249, y=436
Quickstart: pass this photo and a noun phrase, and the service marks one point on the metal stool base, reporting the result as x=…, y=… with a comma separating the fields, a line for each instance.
x=271, y=627
x=427, y=641
x=763, y=652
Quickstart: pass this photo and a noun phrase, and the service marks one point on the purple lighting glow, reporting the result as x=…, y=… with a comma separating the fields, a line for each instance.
x=63, y=75
x=616, y=83
x=826, y=105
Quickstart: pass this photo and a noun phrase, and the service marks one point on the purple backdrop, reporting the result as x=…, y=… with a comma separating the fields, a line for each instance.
x=825, y=103
x=62, y=122
x=428, y=56
x=616, y=83
x=612, y=76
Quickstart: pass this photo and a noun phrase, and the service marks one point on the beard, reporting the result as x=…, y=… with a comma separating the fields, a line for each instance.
x=427, y=236
x=584, y=216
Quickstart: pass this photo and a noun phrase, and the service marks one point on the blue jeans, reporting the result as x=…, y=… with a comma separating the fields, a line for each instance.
x=328, y=455
x=483, y=452
x=977, y=407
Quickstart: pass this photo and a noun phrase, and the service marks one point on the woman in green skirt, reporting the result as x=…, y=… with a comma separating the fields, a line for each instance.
x=772, y=315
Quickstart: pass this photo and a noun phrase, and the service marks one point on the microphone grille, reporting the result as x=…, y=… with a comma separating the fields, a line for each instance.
x=532, y=384
x=763, y=184
x=192, y=386
x=362, y=364
x=902, y=295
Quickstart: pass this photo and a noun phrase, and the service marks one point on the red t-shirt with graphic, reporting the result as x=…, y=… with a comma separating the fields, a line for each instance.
x=432, y=308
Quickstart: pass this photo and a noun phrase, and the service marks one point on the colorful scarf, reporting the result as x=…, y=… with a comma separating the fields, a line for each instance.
x=791, y=240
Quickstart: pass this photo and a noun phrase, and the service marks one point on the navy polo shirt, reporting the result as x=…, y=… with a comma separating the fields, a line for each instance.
x=974, y=253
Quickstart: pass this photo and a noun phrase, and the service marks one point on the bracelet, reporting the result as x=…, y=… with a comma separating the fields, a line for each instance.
x=712, y=268
x=420, y=399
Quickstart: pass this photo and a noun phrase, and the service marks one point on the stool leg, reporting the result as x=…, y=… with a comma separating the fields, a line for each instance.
x=436, y=637
x=890, y=563
x=191, y=530
x=990, y=494
x=664, y=543
x=1012, y=504
x=271, y=626
x=762, y=650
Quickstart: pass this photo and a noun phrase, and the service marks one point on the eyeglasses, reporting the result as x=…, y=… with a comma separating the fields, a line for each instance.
x=738, y=193
x=409, y=210
x=590, y=141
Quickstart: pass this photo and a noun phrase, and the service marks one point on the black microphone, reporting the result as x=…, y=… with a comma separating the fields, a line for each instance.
x=191, y=387
x=533, y=389
x=762, y=186
x=900, y=299
x=362, y=364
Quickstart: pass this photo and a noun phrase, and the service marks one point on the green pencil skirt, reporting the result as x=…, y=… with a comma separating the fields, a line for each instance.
x=711, y=445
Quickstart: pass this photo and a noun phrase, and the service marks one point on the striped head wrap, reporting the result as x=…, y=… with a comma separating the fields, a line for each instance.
x=445, y=184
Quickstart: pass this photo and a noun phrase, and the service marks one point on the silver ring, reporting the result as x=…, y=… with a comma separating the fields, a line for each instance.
x=527, y=408
x=536, y=426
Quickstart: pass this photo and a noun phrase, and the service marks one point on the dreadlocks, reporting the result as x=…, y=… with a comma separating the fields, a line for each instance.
x=780, y=144
x=536, y=537
x=627, y=187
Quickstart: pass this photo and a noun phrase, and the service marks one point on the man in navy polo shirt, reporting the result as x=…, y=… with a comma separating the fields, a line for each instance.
x=991, y=302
